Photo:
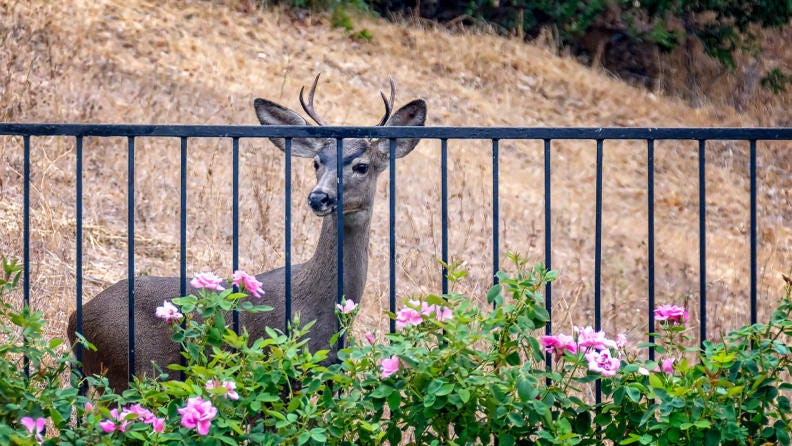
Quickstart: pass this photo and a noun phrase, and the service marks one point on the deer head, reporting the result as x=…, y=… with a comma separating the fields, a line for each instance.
x=362, y=159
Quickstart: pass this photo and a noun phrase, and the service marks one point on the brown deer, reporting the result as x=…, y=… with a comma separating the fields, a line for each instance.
x=314, y=283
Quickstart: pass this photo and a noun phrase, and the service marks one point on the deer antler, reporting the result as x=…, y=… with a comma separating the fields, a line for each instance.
x=309, y=108
x=388, y=104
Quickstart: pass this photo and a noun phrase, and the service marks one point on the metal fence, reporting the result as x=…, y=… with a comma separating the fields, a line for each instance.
x=443, y=134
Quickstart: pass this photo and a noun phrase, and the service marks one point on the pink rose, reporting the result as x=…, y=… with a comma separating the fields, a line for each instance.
x=229, y=386
x=389, y=366
x=347, y=306
x=408, y=316
x=210, y=281
x=370, y=338
x=589, y=338
x=158, y=424
x=248, y=283
x=198, y=414
x=667, y=366
x=601, y=362
x=671, y=313
x=34, y=427
x=107, y=426
x=443, y=314
x=169, y=312
x=558, y=344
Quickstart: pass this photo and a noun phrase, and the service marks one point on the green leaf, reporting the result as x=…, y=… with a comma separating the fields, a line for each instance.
x=445, y=389
x=633, y=393
x=782, y=435
x=633, y=438
x=516, y=419
x=655, y=381
x=526, y=390
x=712, y=437
x=464, y=395
x=494, y=293
x=506, y=440
x=382, y=391
x=318, y=434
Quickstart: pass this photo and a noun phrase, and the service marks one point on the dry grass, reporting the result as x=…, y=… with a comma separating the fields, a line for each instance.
x=137, y=61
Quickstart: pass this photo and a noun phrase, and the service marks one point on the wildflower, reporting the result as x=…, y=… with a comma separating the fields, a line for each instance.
x=389, y=366
x=674, y=314
x=558, y=344
x=34, y=427
x=589, y=338
x=370, y=338
x=248, y=282
x=229, y=386
x=347, y=307
x=198, y=414
x=169, y=312
x=210, y=281
x=667, y=366
x=407, y=316
x=601, y=362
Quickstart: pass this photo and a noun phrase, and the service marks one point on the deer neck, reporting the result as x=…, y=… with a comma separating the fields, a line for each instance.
x=323, y=266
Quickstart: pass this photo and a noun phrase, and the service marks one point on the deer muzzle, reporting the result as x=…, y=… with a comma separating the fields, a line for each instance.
x=321, y=202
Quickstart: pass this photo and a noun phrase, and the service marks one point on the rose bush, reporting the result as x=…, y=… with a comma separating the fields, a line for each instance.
x=452, y=373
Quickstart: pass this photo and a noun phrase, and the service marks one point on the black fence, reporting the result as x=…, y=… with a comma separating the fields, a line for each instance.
x=443, y=134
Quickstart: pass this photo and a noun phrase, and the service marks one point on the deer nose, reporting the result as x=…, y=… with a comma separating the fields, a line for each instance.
x=320, y=201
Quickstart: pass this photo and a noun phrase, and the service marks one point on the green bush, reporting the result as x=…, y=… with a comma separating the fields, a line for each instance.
x=453, y=373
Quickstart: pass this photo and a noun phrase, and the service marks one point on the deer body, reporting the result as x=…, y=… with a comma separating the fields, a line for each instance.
x=314, y=283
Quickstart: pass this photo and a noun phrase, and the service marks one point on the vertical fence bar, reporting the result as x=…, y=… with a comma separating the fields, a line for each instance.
x=598, y=255
x=131, y=251
x=26, y=238
x=548, y=251
x=78, y=216
x=548, y=236
x=444, y=210
x=650, y=239
x=183, y=218
x=235, y=217
x=183, y=235
x=287, y=233
x=392, y=230
x=752, y=169
x=495, y=215
x=702, y=242
x=340, y=223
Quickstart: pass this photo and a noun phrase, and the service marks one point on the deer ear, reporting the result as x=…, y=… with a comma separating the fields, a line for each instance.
x=270, y=113
x=412, y=114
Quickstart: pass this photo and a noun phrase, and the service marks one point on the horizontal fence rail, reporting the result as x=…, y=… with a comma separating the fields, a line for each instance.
x=539, y=133
x=443, y=134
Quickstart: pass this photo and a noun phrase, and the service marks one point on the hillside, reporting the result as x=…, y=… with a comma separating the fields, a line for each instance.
x=136, y=61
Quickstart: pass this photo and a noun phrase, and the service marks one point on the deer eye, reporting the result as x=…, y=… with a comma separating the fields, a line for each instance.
x=316, y=165
x=360, y=168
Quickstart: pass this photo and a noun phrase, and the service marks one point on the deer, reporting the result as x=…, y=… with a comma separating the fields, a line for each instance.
x=314, y=283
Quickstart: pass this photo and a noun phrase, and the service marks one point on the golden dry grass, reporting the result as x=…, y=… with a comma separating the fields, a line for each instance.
x=138, y=61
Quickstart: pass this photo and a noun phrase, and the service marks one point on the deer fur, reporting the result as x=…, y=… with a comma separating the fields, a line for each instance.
x=314, y=283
